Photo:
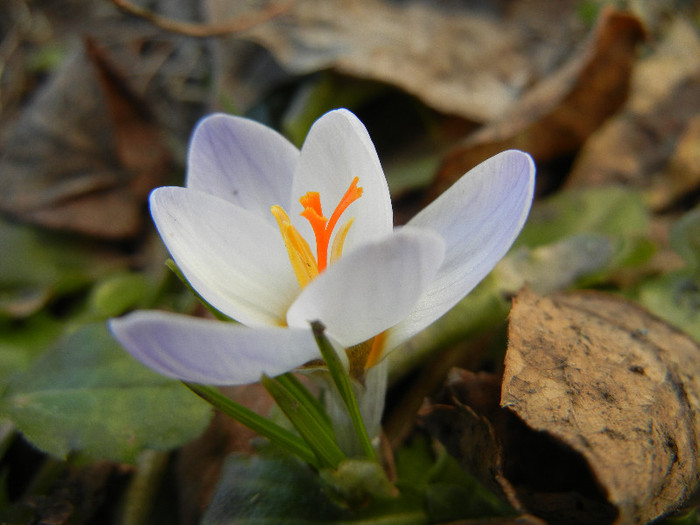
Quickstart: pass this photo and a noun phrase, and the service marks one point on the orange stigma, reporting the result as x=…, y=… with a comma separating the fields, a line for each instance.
x=303, y=263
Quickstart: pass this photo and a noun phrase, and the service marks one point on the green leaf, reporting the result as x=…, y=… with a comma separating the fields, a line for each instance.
x=614, y=211
x=37, y=266
x=276, y=490
x=21, y=342
x=579, y=260
x=320, y=94
x=674, y=297
x=314, y=429
x=685, y=238
x=119, y=293
x=450, y=492
x=87, y=395
x=355, y=481
x=275, y=433
x=299, y=391
x=343, y=383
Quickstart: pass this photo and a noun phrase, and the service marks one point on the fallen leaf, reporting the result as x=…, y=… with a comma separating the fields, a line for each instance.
x=86, y=150
x=599, y=417
x=559, y=113
x=653, y=142
x=529, y=469
x=617, y=385
x=460, y=58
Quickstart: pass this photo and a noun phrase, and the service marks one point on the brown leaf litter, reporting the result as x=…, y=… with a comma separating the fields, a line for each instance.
x=599, y=412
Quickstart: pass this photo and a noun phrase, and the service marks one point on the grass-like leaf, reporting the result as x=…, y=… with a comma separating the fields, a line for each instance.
x=304, y=415
x=342, y=381
x=275, y=433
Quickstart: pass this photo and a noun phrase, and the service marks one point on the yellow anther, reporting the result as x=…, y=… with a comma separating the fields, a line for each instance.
x=339, y=240
x=305, y=265
x=298, y=250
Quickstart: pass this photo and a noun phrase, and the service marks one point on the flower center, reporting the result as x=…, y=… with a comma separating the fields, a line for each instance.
x=305, y=265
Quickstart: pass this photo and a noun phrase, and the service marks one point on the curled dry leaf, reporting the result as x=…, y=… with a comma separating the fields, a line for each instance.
x=559, y=113
x=599, y=417
x=617, y=385
x=653, y=143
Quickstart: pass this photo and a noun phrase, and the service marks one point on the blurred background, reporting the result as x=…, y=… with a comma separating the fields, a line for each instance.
x=97, y=102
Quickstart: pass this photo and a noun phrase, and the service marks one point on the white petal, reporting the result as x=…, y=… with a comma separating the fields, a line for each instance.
x=479, y=217
x=242, y=161
x=211, y=352
x=236, y=261
x=336, y=150
x=372, y=288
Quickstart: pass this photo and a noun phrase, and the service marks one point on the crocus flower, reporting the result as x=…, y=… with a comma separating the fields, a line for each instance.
x=275, y=237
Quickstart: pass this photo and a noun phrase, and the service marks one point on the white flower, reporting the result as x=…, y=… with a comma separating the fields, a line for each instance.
x=237, y=234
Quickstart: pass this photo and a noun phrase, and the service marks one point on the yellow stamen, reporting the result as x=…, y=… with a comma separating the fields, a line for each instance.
x=298, y=250
x=376, y=352
x=305, y=266
x=339, y=240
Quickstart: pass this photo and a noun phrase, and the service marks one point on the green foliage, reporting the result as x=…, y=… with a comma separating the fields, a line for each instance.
x=321, y=93
x=278, y=435
x=357, y=480
x=87, y=395
x=311, y=424
x=614, y=211
x=21, y=341
x=450, y=492
x=270, y=488
x=342, y=382
x=685, y=239
x=117, y=294
x=37, y=267
x=675, y=296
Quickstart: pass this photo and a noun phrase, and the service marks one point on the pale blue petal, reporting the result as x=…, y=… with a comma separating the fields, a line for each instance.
x=211, y=352
x=337, y=149
x=372, y=288
x=479, y=217
x=235, y=260
x=242, y=161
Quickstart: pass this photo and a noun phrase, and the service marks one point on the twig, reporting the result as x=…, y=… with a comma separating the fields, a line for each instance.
x=235, y=25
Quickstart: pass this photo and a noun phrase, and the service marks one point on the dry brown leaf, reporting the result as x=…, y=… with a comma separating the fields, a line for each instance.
x=471, y=59
x=618, y=386
x=530, y=470
x=138, y=138
x=654, y=142
x=72, y=165
x=558, y=114
x=598, y=419
x=88, y=147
